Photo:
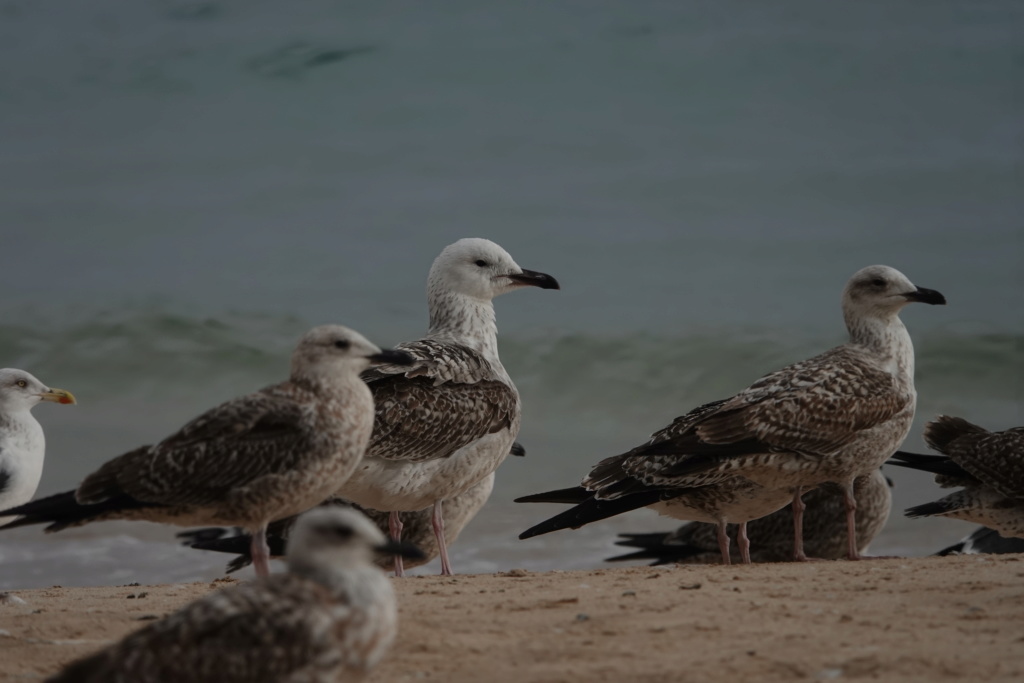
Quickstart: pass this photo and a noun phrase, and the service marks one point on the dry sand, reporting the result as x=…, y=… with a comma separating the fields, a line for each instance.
x=922, y=619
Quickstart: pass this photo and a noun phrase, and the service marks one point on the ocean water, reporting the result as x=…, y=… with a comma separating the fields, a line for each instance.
x=185, y=187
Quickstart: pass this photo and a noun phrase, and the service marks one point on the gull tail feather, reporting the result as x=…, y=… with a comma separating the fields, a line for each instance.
x=62, y=510
x=939, y=507
x=936, y=464
x=570, y=496
x=592, y=510
x=241, y=545
x=944, y=430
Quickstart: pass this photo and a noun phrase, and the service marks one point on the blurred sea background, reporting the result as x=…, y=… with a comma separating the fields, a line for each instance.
x=188, y=186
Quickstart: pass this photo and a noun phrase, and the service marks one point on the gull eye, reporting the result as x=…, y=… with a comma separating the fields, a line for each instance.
x=342, y=344
x=21, y=383
x=480, y=262
x=878, y=282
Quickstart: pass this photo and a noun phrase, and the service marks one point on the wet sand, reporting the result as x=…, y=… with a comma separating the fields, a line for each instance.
x=905, y=619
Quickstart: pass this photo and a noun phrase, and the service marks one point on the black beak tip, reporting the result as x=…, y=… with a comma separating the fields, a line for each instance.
x=405, y=550
x=517, y=449
x=392, y=357
x=549, y=283
x=535, y=279
x=928, y=296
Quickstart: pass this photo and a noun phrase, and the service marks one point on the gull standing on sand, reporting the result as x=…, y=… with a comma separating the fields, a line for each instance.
x=830, y=418
x=416, y=529
x=257, y=458
x=988, y=465
x=331, y=617
x=448, y=421
x=772, y=535
x=22, y=444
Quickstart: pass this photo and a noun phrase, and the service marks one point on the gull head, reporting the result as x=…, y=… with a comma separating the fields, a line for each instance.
x=20, y=390
x=481, y=269
x=337, y=537
x=881, y=291
x=336, y=348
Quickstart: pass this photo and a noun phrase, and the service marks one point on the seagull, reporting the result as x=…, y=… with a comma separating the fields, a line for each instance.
x=830, y=418
x=332, y=616
x=22, y=444
x=257, y=458
x=448, y=420
x=696, y=543
x=988, y=465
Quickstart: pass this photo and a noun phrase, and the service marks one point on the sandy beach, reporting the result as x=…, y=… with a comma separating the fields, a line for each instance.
x=918, y=619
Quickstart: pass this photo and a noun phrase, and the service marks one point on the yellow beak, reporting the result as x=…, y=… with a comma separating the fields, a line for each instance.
x=59, y=396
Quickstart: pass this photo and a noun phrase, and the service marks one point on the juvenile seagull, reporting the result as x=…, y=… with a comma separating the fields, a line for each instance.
x=988, y=465
x=416, y=528
x=696, y=543
x=448, y=421
x=830, y=418
x=260, y=457
x=22, y=444
x=331, y=617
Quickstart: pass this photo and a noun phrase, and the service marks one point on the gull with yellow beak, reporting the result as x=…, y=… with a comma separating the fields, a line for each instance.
x=22, y=444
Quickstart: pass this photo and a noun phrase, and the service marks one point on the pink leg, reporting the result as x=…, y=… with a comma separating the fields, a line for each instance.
x=723, y=541
x=260, y=552
x=438, y=521
x=798, y=526
x=852, y=551
x=395, y=529
x=743, y=542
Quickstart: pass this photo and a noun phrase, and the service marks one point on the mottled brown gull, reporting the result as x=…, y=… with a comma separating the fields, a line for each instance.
x=332, y=616
x=22, y=444
x=772, y=536
x=257, y=458
x=417, y=529
x=448, y=421
x=989, y=466
x=830, y=418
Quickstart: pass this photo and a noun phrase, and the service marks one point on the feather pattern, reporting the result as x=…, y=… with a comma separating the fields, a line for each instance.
x=994, y=458
x=634, y=479
x=988, y=465
x=450, y=397
x=268, y=433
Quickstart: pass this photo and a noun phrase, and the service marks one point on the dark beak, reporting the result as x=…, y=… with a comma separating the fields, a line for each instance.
x=926, y=296
x=517, y=449
x=392, y=357
x=401, y=548
x=534, y=279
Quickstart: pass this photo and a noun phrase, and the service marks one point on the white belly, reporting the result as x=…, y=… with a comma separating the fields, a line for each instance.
x=21, y=459
x=406, y=485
